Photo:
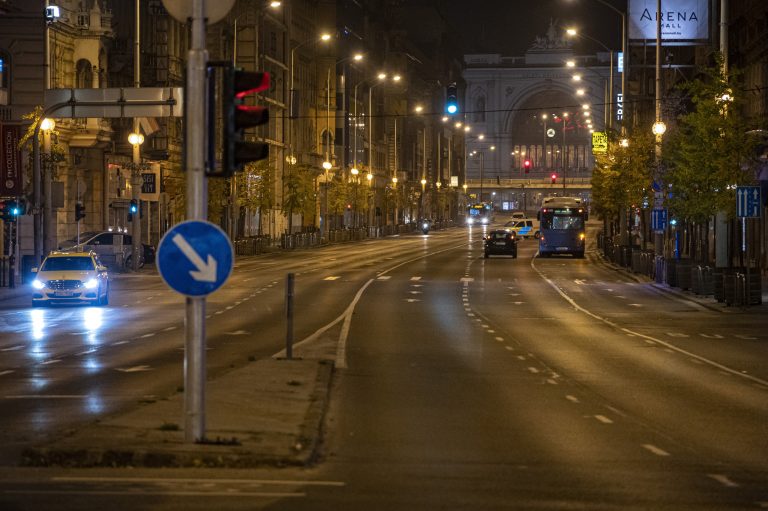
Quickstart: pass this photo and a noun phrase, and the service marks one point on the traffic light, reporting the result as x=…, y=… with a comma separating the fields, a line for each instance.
x=237, y=117
x=79, y=211
x=527, y=166
x=14, y=209
x=554, y=178
x=133, y=208
x=451, y=99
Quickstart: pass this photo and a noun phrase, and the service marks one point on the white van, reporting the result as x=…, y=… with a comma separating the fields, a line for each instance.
x=524, y=228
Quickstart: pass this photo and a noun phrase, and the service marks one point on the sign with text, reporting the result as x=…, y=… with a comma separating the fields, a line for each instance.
x=658, y=219
x=599, y=142
x=681, y=20
x=150, y=184
x=11, y=179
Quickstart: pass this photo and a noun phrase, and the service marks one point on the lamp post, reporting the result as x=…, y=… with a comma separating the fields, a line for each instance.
x=47, y=126
x=293, y=111
x=381, y=77
x=609, y=106
x=136, y=139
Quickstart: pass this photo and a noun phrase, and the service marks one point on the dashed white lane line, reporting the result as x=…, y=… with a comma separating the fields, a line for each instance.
x=500, y=339
x=147, y=336
x=533, y=370
x=655, y=450
x=521, y=357
x=603, y=419
x=333, y=277
x=384, y=277
x=52, y=361
x=13, y=348
x=509, y=348
x=572, y=399
x=724, y=480
x=3, y=373
x=170, y=328
x=415, y=278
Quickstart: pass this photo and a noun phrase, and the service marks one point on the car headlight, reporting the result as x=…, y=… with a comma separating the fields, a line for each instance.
x=37, y=284
x=91, y=283
x=470, y=221
x=485, y=220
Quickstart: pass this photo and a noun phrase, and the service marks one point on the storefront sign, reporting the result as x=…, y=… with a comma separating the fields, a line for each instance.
x=681, y=20
x=11, y=180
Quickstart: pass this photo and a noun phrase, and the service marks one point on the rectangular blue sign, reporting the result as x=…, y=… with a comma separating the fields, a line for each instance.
x=658, y=219
x=748, y=201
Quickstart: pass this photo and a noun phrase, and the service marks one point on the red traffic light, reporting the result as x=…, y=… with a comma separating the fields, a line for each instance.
x=554, y=178
x=527, y=165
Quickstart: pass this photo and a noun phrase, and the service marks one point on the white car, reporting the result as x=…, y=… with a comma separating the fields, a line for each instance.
x=70, y=277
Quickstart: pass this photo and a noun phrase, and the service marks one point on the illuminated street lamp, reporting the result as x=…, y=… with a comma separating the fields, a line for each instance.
x=659, y=128
x=624, y=142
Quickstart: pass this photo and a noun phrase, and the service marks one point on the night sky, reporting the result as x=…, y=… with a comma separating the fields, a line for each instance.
x=510, y=26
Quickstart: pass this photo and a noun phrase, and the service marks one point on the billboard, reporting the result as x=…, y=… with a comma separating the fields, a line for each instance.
x=11, y=178
x=681, y=20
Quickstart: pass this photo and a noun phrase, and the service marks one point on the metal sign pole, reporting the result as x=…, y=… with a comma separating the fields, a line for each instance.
x=194, y=364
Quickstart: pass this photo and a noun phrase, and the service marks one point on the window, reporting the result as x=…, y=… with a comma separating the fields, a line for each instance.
x=480, y=109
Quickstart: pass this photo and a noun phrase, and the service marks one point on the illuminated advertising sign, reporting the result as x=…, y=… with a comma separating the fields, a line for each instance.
x=681, y=20
x=11, y=179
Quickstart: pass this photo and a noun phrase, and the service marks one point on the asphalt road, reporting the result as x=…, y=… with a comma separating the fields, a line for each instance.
x=464, y=383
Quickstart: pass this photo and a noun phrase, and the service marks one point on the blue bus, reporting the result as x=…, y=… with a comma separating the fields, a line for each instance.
x=479, y=213
x=563, y=222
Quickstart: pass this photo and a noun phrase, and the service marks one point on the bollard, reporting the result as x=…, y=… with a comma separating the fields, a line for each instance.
x=289, y=280
x=12, y=271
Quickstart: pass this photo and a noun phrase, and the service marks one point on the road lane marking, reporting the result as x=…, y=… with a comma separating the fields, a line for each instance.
x=52, y=361
x=521, y=357
x=384, y=277
x=509, y=348
x=746, y=337
x=146, y=336
x=712, y=336
x=14, y=348
x=724, y=480
x=655, y=450
x=334, y=277
x=43, y=396
x=415, y=278
x=170, y=328
x=3, y=373
x=572, y=399
x=533, y=370
x=500, y=339
x=603, y=419
x=648, y=338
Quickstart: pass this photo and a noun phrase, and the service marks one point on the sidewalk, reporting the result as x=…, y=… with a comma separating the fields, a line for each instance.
x=267, y=413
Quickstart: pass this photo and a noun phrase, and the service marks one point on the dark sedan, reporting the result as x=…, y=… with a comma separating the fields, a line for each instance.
x=501, y=242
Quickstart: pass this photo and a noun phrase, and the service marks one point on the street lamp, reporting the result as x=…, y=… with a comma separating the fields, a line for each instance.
x=136, y=139
x=572, y=32
x=659, y=128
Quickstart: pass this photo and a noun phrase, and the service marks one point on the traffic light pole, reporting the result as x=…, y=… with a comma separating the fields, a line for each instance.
x=194, y=363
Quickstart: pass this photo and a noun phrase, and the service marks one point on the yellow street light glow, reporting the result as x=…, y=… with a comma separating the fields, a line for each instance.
x=396, y=78
x=423, y=181
x=659, y=128
x=565, y=114
x=445, y=118
x=458, y=125
x=586, y=114
x=466, y=128
x=394, y=179
x=543, y=116
x=325, y=37
x=419, y=108
x=381, y=76
x=135, y=139
x=275, y=4
x=570, y=63
x=358, y=56
x=464, y=186
x=438, y=184
x=576, y=78
x=585, y=106
x=571, y=31
x=47, y=124
x=493, y=148
x=591, y=130
x=369, y=177
x=327, y=165
x=354, y=171
x=580, y=92
x=480, y=136
x=624, y=142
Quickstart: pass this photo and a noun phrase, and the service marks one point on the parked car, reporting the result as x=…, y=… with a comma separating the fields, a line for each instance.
x=108, y=245
x=70, y=277
x=501, y=242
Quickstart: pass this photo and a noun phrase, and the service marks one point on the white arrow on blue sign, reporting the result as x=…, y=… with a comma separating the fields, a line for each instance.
x=195, y=258
x=748, y=201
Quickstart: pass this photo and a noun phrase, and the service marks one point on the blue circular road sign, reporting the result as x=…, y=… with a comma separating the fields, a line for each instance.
x=195, y=258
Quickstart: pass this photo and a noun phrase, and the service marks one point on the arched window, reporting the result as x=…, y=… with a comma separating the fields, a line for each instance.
x=84, y=79
x=480, y=109
x=5, y=78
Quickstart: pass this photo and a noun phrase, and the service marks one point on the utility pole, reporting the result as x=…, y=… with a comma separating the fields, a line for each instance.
x=136, y=178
